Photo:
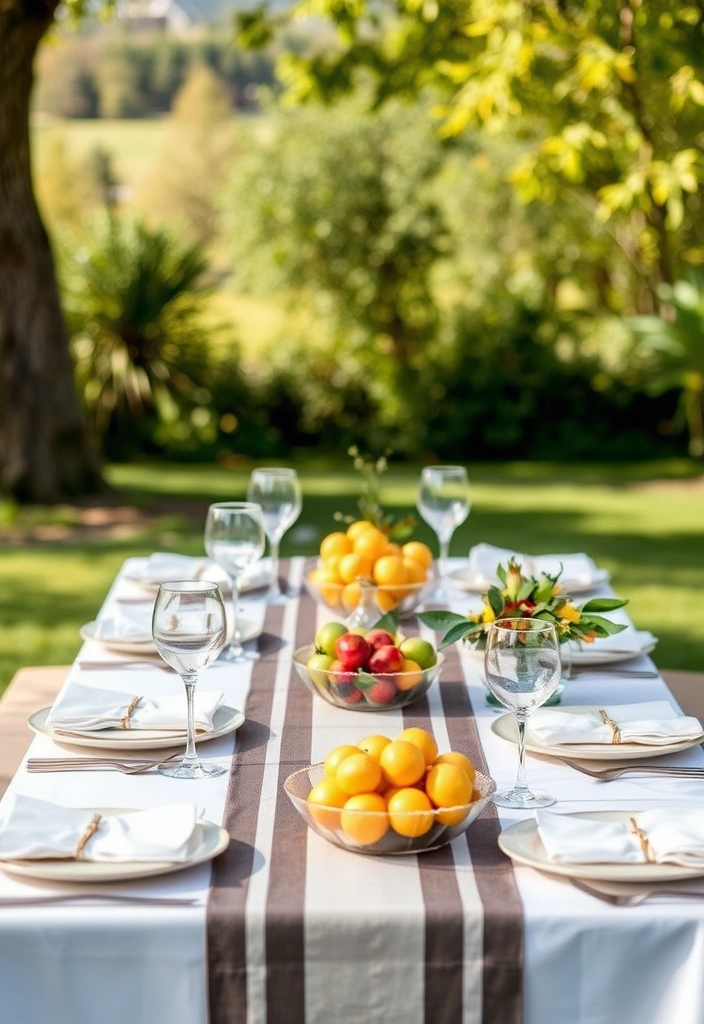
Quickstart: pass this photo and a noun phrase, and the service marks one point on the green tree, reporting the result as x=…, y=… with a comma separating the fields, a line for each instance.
x=673, y=351
x=342, y=211
x=188, y=174
x=608, y=100
x=45, y=453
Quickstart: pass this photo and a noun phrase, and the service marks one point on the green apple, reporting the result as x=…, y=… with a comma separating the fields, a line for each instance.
x=327, y=636
x=420, y=651
x=318, y=665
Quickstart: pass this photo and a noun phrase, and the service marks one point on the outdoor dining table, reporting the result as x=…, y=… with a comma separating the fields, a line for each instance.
x=289, y=929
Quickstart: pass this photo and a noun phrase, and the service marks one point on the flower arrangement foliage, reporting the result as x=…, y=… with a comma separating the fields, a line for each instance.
x=369, y=503
x=531, y=597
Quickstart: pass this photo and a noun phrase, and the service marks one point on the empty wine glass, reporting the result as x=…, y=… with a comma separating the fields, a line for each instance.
x=234, y=538
x=444, y=503
x=189, y=628
x=278, y=492
x=522, y=667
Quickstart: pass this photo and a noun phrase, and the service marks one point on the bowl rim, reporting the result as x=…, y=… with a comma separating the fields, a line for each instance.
x=486, y=780
x=298, y=660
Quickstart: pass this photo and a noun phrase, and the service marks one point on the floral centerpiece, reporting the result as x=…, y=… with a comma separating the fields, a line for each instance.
x=531, y=597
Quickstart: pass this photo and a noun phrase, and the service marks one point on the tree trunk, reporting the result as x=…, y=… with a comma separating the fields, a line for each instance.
x=45, y=455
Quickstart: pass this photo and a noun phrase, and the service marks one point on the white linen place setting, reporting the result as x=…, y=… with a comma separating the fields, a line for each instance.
x=32, y=829
x=579, y=571
x=87, y=709
x=652, y=724
x=164, y=566
x=663, y=835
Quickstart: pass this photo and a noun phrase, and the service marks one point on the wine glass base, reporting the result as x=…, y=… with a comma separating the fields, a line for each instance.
x=233, y=656
x=522, y=799
x=188, y=771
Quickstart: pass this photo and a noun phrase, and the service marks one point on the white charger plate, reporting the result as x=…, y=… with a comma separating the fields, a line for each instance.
x=258, y=575
x=589, y=656
x=210, y=840
x=247, y=630
x=522, y=843
x=505, y=728
x=133, y=646
x=225, y=720
x=466, y=580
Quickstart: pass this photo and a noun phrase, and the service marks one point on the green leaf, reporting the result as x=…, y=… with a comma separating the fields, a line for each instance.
x=501, y=573
x=441, y=620
x=525, y=590
x=389, y=622
x=459, y=632
x=364, y=681
x=604, y=626
x=496, y=600
x=602, y=604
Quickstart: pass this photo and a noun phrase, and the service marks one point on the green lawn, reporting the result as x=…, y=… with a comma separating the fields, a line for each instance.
x=642, y=522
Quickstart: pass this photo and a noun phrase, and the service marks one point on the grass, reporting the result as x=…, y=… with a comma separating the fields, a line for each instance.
x=640, y=521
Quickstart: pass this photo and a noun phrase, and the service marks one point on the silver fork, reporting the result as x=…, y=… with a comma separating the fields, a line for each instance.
x=37, y=765
x=635, y=898
x=607, y=774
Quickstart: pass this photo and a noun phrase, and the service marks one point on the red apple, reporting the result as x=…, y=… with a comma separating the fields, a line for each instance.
x=352, y=651
x=339, y=675
x=380, y=638
x=382, y=692
x=385, y=660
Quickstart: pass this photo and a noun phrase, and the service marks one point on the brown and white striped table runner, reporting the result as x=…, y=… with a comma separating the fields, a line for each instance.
x=300, y=931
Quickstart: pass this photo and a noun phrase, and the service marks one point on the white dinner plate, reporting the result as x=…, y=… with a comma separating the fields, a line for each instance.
x=505, y=728
x=522, y=843
x=209, y=841
x=134, y=646
x=257, y=576
x=225, y=720
x=587, y=656
x=466, y=580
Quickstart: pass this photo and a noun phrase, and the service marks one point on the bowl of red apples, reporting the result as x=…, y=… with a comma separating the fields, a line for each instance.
x=363, y=669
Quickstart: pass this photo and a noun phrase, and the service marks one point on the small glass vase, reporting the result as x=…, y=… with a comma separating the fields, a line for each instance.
x=366, y=614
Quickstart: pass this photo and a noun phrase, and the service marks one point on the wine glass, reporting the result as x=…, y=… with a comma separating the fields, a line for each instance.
x=444, y=503
x=234, y=538
x=522, y=667
x=278, y=492
x=189, y=628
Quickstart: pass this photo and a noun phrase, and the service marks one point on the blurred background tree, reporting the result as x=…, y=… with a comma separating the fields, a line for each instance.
x=608, y=101
x=186, y=179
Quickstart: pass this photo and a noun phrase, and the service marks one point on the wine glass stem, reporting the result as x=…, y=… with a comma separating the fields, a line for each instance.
x=275, y=588
x=235, y=646
x=521, y=785
x=444, y=555
x=190, y=757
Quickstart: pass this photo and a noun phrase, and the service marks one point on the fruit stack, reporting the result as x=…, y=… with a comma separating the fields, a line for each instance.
x=390, y=796
x=399, y=574
x=360, y=669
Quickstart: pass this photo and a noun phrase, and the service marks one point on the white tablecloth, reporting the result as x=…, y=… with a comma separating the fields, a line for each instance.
x=585, y=962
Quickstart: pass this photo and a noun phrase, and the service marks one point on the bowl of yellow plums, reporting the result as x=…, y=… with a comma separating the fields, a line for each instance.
x=362, y=562
x=390, y=797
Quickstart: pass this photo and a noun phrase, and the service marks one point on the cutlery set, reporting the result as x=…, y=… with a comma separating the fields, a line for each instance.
x=131, y=766
x=634, y=899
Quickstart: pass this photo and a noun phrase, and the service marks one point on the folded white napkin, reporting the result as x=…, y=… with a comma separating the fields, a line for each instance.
x=125, y=622
x=668, y=835
x=653, y=723
x=89, y=709
x=31, y=829
x=163, y=566
x=576, y=568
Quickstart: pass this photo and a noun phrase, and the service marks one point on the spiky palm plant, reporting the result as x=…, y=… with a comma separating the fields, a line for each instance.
x=133, y=297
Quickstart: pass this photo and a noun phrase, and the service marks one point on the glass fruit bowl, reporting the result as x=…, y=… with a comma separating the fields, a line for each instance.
x=349, y=598
x=362, y=691
x=371, y=832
